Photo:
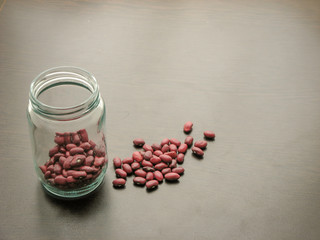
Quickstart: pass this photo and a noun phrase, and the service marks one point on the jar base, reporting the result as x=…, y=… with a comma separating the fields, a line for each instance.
x=73, y=194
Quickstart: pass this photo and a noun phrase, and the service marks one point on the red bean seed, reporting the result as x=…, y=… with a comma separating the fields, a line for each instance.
x=147, y=147
x=172, y=176
x=152, y=184
x=137, y=156
x=135, y=165
x=138, y=142
x=71, y=179
x=83, y=135
x=67, y=138
x=89, y=160
x=156, y=146
x=47, y=174
x=127, y=160
x=57, y=169
x=200, y=144
x=140, y=173
x=121, y=173
x=197, y=151
x=149, y=176
x=120, y=182
x=76, y=150
x=146, y=163
x=50, y=168
x=148, y=169
x=87, y=169
x=209, y=134
x=148, y=155
x=187, y=127
x=61, y=180
x=175, y=142
x=166, y=158
x=165, y=171
x=75, y=138
x=62, y=159
x=139, y=180
x=99, y=161
x=127, y=168
x=171, y=154
x=59, y=140
x=180, y=158
x=93, y=144
x=173, y=164
x=178, y=170
x=165, y=148
x=155, y=160
x=86, y=146
x=160, y=166
x=53, y=151
x=117, y=162
x=183, y=148
x=77, y=160
x=43, y=168
x=165, y=141
x=158, y=176
x=173, y=148
x=188, y=141
x=157, y=153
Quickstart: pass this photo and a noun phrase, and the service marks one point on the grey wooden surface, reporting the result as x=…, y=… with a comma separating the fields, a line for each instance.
x=248, y=70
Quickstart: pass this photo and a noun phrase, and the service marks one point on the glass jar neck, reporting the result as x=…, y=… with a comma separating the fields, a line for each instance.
x=64, y=76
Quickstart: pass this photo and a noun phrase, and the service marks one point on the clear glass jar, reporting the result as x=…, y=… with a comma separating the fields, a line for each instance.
x=66, y=116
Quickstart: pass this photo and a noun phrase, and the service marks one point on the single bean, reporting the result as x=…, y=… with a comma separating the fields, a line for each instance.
x=121, y=173
x=93, y=144
x=166, y=158
x=139, y=180
x=137, y=156
x=178, y=170
x=175, y=142
x=155, y=160
x=59, y=140
x=67, y=138
x=119, y=182
x=152, y=184
x=76, y=150
x=200, y=144
x=62, y=159
x=188, y=141
x=148, y=155
x=61, y=180
x=197, y=151
x=156, y=146
x=47, y=174
x=53, y=175
x=89, y=160
x=117, y=162
x=86, y=146
x=160, y=166
x=146, y=163
x=90, y=153
x=187, y=127
x=57, y=169
x=87, y=169
x=165, y=171
x=173, y=164
x=99, y=161
x=180, y=158
x=64, y=173
x=148, y=169
x=209, y=134
x=165, y=141
x=157, y=153
x=171, y=154
x=173, y=148
x=75, y=138
x=127, y=168
x=50, y=168
x=89, y=176
x=67, y=154
x=172, y=176
x=158, y=176
x=100, y=151
x=147, y=147
x=83, y=135
x=140, y=173
x=76, y=174
x=77, y=160
x=62, y=149
x=135, y=165
x=71, y=179
x=149, y=176
x=165, y=148
x=127, y=160
x=43, y=168
x=57, y=156
x=53, y=151
x=138, y=142
x=183, y=148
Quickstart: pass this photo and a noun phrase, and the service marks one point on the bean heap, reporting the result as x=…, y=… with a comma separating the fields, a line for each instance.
x=75, y=161
x=158, y=161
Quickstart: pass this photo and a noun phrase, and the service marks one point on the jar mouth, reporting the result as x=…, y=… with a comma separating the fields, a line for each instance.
x=59, y=76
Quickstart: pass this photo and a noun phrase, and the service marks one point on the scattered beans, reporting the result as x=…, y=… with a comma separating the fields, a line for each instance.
x=116, y=162
x=188, y=141
x=209, y=134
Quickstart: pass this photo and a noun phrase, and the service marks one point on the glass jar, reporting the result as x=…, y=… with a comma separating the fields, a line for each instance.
x=66, y=116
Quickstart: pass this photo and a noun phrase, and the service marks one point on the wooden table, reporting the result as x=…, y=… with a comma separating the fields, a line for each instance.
x=248, y=70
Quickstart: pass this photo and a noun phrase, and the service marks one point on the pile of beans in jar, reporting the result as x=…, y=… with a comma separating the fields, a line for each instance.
x=75, y=161
x=158, y=161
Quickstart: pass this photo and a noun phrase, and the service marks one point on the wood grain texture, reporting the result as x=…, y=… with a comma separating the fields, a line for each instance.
x=248, y=70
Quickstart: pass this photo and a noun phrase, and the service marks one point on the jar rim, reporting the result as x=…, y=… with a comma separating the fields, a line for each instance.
x=64, y=75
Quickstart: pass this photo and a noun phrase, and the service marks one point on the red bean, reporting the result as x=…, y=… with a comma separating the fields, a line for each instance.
x=165, y=171
x=148, y=169
x=57, y=169
x=90, y=153
x=47, y=174
x=149, y=176
x=99, y=161
x=137, y=156
x=183, y=148
x=138, y=142
x=62, y=149
x=156, y=146
x=77, y=160
x=117, y=162
x=146, y=163
x=121, y=173
x=50, y=168
x=75, y=138
x=61, y=180
x=59, y=140
x=43, y=168
x=67, y=138
x=175, y=142
x=152, y=184
x=139, y=180
x=89, y=160
x=173, y=148
x=148, y=155
x=171, y=154
x=155, y=160
x=173, y=164
x=76, y=150
x=147, y=147
x=157, y=153
x=57, y=156
x=172, y=176
x=200, y=144
x=67, y=154
x=180, y=158
x=165, y=148
x=209, y=134
x=127, y=160
x=64, y=172
x=83, y=135
x=165, y=141
x=166, y=158
x=160, y=166
x=188, y=127
x=87, y=169
x=119, y=182
x=53, y=151
x=158, y=176
x=178, y=170
x=135, y=165
x=93, y=144
x=86, y=146
x=62, y=159
x=77, y=174
x=71, y=179
x=197, y=151
x=140, y=173
x=89, y=176
x=100, y=151
x=188, y=141
x=127, y=168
